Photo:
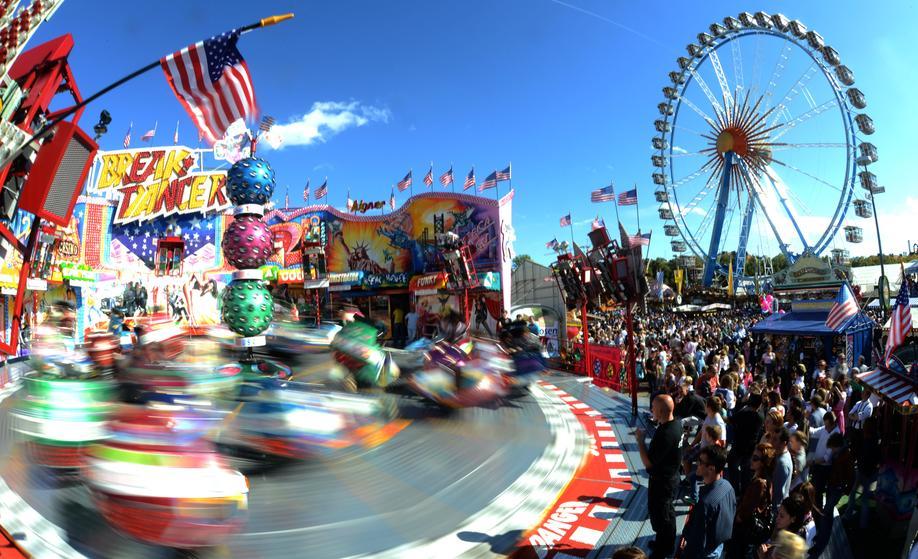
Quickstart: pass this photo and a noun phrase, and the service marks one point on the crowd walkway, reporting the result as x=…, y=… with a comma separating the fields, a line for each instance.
x=631, y=526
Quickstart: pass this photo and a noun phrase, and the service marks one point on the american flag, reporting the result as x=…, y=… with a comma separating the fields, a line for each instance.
x=212, y=82
x=604, y=194
x=489, y=182
x=503, y=175
x=639, y=239
x=469, y=180
x=392, y=200
x=404, y=183
x=127, y=137
x=306, y=191
x=566, y=221
x=628, y=198
x=844, y=308
x=446, y=178
x=428, y=178
x=552, y=243
x=900, y=322
x=322, y=191
x=598, y=223
x=149, y=134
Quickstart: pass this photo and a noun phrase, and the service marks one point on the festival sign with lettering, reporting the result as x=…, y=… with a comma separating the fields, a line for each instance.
x=428, y=283
x=391, y=279
x=363, y=207
x=160, y=182
x=292, y=276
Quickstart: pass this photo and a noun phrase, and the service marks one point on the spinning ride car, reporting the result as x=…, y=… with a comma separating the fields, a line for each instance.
x=356, y=347
x=294, y=420
x=453, y=378
x=159, y=480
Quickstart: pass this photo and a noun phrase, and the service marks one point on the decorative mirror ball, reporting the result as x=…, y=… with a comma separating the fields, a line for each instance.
x=248, y=242
x=247, y=307
x=250, y=181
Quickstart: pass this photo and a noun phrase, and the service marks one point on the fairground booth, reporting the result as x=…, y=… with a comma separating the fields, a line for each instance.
x=389, y=263
x=804, y=295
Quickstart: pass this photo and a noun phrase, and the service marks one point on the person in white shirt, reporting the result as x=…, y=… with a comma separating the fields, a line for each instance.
x=820, y=461
x=861, y=410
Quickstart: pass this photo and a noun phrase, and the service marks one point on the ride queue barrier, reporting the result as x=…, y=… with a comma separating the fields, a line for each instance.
x=607, y=369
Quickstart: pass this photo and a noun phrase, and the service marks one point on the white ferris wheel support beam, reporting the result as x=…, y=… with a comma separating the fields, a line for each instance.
x=798, y=87
x=755, y=189
x=707, y=93
x=737, y=65
x=698, y=111
x=781, y=190
x=721, y=79
x=803, y=117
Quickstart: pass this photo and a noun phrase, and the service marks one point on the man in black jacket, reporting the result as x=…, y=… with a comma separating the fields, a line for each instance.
x=747, y=425
x=661, y=460
x=691, y=404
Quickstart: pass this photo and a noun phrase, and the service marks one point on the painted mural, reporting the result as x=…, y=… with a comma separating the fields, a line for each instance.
x=399, y=242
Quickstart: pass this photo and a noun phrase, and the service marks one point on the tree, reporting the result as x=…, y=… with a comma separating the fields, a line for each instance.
x=520, y=259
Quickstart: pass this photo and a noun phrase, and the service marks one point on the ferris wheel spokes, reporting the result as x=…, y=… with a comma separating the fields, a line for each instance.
x=792, y=93
x=781, y=191
x=786, y=127
x=780, y=64
x=722, y=80
x=757, y=192
x=737, y=65
x=703, y=85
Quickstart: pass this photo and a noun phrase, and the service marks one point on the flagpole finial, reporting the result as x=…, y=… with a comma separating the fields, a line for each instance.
x=274, y=20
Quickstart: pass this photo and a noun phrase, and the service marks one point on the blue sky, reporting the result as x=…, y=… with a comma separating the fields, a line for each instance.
x=567, y=91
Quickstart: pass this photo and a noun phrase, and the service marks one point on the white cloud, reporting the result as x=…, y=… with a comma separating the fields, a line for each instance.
x=677, y=149
x=327, y=118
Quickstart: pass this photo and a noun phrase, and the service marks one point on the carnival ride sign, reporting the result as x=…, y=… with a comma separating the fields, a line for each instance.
x=160, y=182
x=363, y=206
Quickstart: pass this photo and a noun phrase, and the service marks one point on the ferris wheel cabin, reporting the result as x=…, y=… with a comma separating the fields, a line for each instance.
x=678, y=246
x=854, y=234
x=665, y=213
x=862, y=208
x=670, y=230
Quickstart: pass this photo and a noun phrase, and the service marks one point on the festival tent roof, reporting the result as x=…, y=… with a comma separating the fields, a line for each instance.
x=893, y=386
x=687, y=308
x=875, y=304
x=812, y=323
x=912, y=267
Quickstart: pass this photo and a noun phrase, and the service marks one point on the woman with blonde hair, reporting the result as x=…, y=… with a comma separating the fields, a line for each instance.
x=789, y=546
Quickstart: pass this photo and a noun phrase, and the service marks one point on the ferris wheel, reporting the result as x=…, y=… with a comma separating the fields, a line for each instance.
x=758, y=138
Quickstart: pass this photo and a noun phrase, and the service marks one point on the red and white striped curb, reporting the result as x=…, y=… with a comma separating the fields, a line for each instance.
x=574, y=524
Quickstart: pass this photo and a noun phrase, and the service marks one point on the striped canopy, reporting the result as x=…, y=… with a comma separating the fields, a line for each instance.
x=894, y=387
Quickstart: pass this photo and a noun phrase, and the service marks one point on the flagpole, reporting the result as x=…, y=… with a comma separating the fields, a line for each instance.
x=637, y=211
x=46, y=129
x=411, y=184
x=615, y=201
x=452, y=178
x=571, y=226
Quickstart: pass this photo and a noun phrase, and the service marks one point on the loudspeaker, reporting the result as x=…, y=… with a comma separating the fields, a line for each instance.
x=599, y=237
x=56, y=178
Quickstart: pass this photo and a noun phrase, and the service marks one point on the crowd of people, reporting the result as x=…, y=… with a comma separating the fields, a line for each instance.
x=761, y=438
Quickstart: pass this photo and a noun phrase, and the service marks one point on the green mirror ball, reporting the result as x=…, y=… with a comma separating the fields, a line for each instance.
x=248, y=307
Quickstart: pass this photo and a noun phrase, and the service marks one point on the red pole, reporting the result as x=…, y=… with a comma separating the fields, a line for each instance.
x=587, y=366
x=632, y=372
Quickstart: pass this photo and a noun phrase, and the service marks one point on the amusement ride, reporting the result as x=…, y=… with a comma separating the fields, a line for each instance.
x=760, y=134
